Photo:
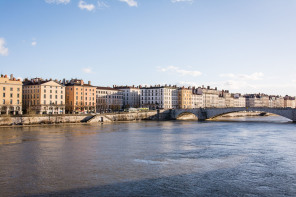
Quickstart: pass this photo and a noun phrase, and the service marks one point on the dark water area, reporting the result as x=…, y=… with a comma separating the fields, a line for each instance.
x=225, y=157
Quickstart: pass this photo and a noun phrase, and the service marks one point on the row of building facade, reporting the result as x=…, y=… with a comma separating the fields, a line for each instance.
x=40, y=96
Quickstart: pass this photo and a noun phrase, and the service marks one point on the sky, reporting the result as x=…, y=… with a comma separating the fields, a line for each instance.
x=246, y=46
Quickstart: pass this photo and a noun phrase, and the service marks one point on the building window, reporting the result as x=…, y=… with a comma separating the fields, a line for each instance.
x=11, y=101
x=11, y=95
x=18, y=101
x=18, y=89
x=44, y=95
x=11, y=89
x=3, y=101
x=3, y=88
x=3, y=94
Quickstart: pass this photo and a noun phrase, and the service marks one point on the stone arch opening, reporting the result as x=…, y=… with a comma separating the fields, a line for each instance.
x=257, y=111
x=187, y=116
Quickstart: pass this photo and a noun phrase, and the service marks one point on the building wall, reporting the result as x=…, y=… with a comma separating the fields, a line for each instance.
x=10, y=95
x=164, y=97
x=43, y=97
x=80, y=97
x=108, y=99
x=185, y=98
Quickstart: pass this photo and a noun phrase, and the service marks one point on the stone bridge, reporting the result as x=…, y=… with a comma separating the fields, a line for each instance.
x=208, y=113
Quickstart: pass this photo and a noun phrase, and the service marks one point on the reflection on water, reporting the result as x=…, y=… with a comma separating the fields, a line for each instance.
x=241, y=157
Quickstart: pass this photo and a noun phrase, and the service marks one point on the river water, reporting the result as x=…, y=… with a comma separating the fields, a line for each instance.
x=230, y=157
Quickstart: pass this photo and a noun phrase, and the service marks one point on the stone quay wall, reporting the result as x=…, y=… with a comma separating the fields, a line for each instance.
x=87, y=118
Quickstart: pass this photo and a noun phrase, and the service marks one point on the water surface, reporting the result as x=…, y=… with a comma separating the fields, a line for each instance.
x=238, y=157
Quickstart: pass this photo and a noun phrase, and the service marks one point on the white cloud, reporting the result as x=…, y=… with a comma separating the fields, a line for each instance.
x=87, y=70
x=181, y=72
x=255, y=76
x=3, y=49
x=84, y=6
x=131, y=3
x=102, y=4
x=34, y=43
x=58, y=1
x=177, y=1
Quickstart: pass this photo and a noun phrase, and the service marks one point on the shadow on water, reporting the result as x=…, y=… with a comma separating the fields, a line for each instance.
x=199, y=184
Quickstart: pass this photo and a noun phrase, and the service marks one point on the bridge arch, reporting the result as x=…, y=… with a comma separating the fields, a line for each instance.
x=284, y=112
x=184, y=114
x=208, y=113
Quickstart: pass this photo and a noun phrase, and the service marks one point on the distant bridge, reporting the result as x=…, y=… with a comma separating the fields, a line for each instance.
x=208, y=113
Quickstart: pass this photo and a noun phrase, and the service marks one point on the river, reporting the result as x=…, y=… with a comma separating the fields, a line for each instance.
x=250, y=156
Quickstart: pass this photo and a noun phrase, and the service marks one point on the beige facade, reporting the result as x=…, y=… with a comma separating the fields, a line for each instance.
x=257, y=100
x=43, y=97
x=108, y=99
x=276, y=102
x=197, y=99
x=210, y=96
x=185, y=98
x=289, y=101
x=10, y=95
x=80, y=97
x=221, y=102
x=238, y=100
x=229, y=101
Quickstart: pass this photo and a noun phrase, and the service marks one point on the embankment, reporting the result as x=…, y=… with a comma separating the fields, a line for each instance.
x=87, y=118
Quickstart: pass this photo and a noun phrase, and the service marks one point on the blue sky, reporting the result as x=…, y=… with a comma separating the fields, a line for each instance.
x=246, y=46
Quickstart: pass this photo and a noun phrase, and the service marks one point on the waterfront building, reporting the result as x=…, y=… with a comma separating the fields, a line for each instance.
x=229, y=100
x=257, y=100
x=131, y=96
x=10, y=95
x=197, y=99
x=289, y=101
x=163, y=97
x=221, y=102
x=210, y=96
x=43, y=96
x=80, y=97
x=108, y=99
x=276, y=101
x=238, y=100
x=185, y=98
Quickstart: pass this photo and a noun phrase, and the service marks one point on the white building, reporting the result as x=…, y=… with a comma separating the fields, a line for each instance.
x=197, y=99
x=131, y=96
x=210, y=96
x=108, y=99
x=239, y=100
x=163, y=97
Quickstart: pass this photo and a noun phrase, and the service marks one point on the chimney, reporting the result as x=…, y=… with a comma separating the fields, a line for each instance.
x=89, y=82
x=81, y=82
x=209, y=87
x=11, y=77
x=5, y=76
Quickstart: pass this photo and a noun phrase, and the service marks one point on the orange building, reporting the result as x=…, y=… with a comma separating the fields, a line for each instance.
x=80, y=97
x=185, y=98
x=10, y=95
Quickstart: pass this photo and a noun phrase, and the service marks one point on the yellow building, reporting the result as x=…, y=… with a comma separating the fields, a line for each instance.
x=185, y=98
x=43, y=96
x=10, y=95
x=80, y=97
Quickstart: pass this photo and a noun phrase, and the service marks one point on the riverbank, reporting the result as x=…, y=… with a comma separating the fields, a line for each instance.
x=78, y=119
